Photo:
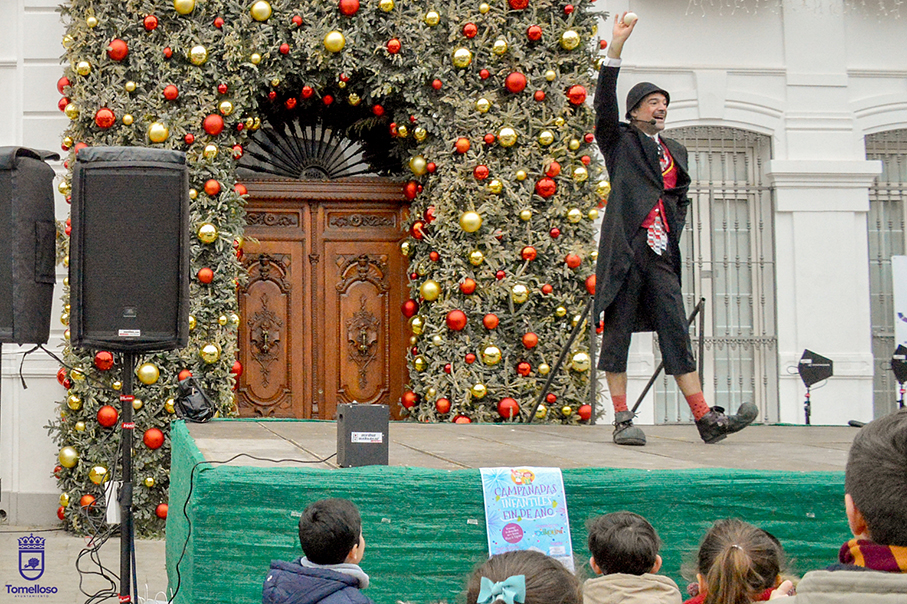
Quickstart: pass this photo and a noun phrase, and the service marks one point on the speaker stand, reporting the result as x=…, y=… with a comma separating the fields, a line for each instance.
x=807, y=406
x=127, y=530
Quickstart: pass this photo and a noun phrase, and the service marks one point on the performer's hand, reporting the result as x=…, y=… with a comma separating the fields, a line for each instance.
x=619, y=35
x=782, y=591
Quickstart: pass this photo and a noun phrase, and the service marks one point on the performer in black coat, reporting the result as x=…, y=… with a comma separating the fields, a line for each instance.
x=638, y=271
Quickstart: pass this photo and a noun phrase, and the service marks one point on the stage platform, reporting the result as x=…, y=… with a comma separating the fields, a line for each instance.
x=423, y=514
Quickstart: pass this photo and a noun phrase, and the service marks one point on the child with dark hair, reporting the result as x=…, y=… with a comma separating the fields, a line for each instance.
x=330, y=532
x=738, y=563
x=624, y=550
x=523, y=577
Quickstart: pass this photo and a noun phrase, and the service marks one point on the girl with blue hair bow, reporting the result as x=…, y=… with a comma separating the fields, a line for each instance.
x=523, y=577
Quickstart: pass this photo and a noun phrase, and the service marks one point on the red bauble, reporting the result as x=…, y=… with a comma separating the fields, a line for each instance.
x=219, y=22
x=284, y=48
x=238, y=150
x=462, y=419
x=307, y=92
x=104, y=118
x=117, y=49
x=213, y=124
x=205, y=275
x=468, y=286
x=61, y=375
x=161, y=510
x=529, y=253
x=586, y=160
x=86, y=501
x=589, y=137
x=189, y=138
x=240, y=189
x=297, y=20
x=546, y=187
x=431, y=167
x=568, y=9
x=499, y=275
x=409, y=399
x=584, y=412
x=107, y=416
x=508, y=408
x=515, y=82
x=222, y=88
x=150, y=22
x=484, y=74
x=590, y=285
x=168, y=52
x=429, y=214
x=62, y=103
x=183, y=374
x=518, y=4
x=480, y=172
x=378, y=110
x=272, y=95
x=61, y=513
x=470, y=30
x=523, y=368
x=327, y=99
x=555, y=233
x=539, y=95
x=576, y=95
x=448, y=368
x=551, y=398
x=212, y=187
x=62, y=83
x=470, y=358
x=236, y=369
x=434, y=256
x=530, y=340
x=393, y=46
x=489, y=139
x=490, y=321
x=534, y=33
x=171, y=92
x=409, y=308
x=442, y=405
x=153, y=438
x=456, y=320
x=462, y=145
x=573, y=260
x=547, y=289
x=349, y=7
x=553, y=169
x=437, y=84
x=103, y=360
x=411, y=189
x=57, y=471
x=603, y=44
x=418, y=230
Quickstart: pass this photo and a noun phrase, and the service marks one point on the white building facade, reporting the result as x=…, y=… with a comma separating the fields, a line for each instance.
x=789, y=238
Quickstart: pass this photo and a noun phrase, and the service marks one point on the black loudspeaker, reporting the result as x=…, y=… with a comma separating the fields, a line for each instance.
x=129, y=251
x=27, y=245
x=814, y=368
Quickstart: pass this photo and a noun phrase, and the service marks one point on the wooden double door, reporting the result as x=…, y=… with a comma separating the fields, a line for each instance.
x=321, y=321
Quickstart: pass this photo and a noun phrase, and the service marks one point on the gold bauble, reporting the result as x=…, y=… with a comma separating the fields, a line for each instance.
x=184, y=7
x=170, y=406
x=418, y=165
x=234, y=319
x=149, y=481
x=420, y=364
x=255, y=59
x=491, y=355
x=64, y=318
x=431, y=393
x=495, y=186
x=413, y=340
x=437, y=341
x=116, y=385
x=419, y=134
x=417, y=325
x=574, y=215
x=559, y=121
x=462, y=57
x=541, y=412
x=526, y=215
x=570, y=39
x=91, y=22
x=353, y=99
x=507, y=136
x=148, y=373
x=128, y=119
x=484, y=8
x=521, y=175
x=71, y=111
x=499, y=47
x=430, y=290
x=476, y=257
x=560, y=311
x=193, y=193
x=98, y=474
x=470, y=221
x=402, y=131
x=519, y=293
x=74, y=402
x=275, y=82
x=603, y=189
x=80, y=426
x=83, y=68
x=67, y=41
x=64, y=187
x=137, y=404
x=580, y=174
x=192, y=323
x=210, y=151
x=66, y=258
x=210, y=353
x=546, y=138
x=593, y=214
x=64, y=499
x=198, y=55
x=422, y=270
x=550, y=75
x=479, y=390
x=207, y=233
x=386, y=5
x=581, y=361
x=130, y=86
x=158, y=132
x=432, y=18
x=576, y=319
x=483, y=105
x=222, y=320
x=66, y=334
x=260, y=11
x=225, y=107
x=406, y=248
x=334, y=41
x=567, y=410
x=66, y=281
x=68, y=457
x=67, y=141
x=574, y=144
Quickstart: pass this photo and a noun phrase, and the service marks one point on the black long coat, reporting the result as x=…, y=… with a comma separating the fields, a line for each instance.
x=636, y=185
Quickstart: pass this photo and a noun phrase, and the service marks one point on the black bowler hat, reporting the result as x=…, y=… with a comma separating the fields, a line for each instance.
x=641, y=91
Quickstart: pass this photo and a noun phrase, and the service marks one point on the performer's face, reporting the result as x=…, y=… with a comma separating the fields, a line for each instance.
x=653, y=107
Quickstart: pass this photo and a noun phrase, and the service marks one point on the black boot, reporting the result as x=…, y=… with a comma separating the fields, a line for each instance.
x=625, y=433
x=715, y=425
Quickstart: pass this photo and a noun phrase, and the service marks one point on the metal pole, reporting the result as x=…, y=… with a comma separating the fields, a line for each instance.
x=593, y=375
x=702, y=342
x=127, y=536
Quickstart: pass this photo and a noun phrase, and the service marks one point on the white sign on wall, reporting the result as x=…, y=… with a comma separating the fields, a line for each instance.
x=899, y=287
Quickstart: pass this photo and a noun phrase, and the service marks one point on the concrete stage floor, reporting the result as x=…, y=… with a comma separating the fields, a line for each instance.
x=457, y=446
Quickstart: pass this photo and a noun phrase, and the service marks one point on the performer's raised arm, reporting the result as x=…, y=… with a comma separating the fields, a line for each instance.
x=606, y=109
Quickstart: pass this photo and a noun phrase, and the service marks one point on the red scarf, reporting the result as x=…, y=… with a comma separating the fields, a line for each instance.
x=887, y=558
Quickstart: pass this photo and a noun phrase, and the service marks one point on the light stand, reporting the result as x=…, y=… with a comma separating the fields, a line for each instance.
x=127, y=528
x=813, y=368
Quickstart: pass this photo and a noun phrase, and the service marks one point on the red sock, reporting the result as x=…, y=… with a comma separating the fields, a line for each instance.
x=697, y=405
x=620, y=402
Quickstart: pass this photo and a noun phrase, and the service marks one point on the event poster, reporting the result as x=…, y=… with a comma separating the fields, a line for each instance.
x=526, y=509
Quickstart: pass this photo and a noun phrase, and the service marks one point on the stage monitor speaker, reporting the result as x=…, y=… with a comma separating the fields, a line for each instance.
x=129, y=251
x=27, y=245
x=814, y=368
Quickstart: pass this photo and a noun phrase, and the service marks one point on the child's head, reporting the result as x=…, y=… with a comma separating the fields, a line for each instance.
x=737, y=562
x=623, y=542
x=544, y=581
x=875, y=481
x=330, y=532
